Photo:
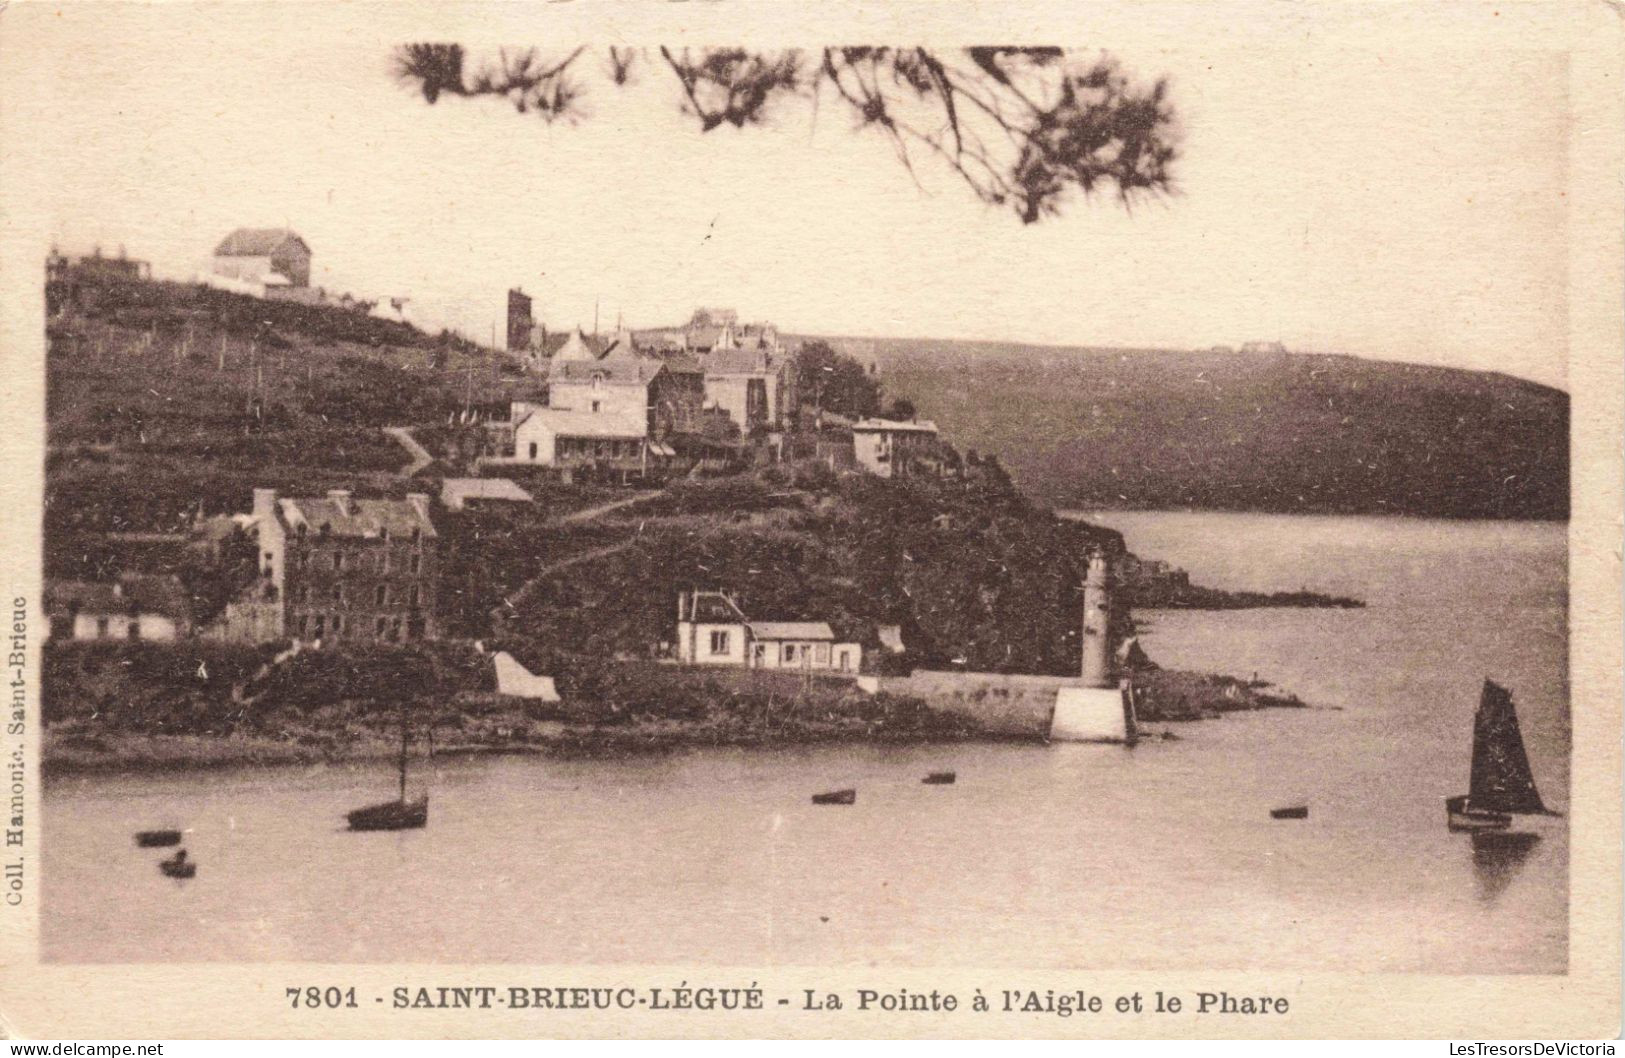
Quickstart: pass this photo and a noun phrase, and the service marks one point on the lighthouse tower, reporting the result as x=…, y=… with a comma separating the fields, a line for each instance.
x=1097, y=653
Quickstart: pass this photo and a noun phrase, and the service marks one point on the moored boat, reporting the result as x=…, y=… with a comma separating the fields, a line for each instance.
x=1501, y=784
x=399, y=814
x=1290, y=812
x=157, y=839
x=835, y=797
x=178, y=866
x=940, y=778
x=391, y=815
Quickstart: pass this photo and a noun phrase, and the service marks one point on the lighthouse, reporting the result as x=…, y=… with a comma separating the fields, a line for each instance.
x=1096, y=669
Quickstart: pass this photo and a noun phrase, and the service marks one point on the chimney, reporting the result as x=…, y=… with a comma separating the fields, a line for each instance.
x=340, y=499
x=420, y=503
x=264, y=504
x=1095, y=668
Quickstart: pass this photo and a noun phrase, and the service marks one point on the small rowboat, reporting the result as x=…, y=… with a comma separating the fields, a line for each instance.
x=178, y=866
x=1291, y=812
x=157, y=839
x=836, y=797
x=391, y=815
x=939, y=778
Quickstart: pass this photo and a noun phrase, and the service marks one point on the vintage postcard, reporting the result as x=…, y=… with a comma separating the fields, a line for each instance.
x=811, y=520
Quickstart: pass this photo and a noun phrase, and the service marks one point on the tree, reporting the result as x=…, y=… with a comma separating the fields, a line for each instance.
x=1020, y=126
x=901, y=409
x=835, y=383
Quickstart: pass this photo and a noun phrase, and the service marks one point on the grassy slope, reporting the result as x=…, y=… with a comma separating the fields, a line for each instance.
x=1311, y=433
x=148, y=388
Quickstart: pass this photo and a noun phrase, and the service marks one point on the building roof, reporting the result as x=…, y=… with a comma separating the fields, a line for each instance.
x=575, y=348
x=613, y=370
x=566, y=423
x=894, y=426
x=256, y=242
x=456, y=490
x=131, y=593
x=682, y=364
x=791, y=630
x=715, y=607
x=737, y=362
x=365, y=518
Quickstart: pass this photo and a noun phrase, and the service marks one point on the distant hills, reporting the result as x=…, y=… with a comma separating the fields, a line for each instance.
x=1281, y=432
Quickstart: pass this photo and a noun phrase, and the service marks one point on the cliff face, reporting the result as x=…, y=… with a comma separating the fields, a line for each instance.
x=1283, y=432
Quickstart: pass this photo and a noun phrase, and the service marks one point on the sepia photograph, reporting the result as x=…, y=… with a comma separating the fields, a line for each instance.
x=519, y=489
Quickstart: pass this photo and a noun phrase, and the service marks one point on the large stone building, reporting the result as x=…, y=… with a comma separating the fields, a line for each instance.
x=259, y=255
x=348, y=569
x=668, y=393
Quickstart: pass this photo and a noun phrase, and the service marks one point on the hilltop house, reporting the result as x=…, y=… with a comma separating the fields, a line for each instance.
x=335, y=567
x=889, y=448
x=135, y=606
x=269, y=256
x=713, y=630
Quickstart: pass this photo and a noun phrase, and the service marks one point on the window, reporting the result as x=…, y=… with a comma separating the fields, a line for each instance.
x=412, y=596
x=789, y=653
x=821, y=654
x=338, y=623
x=597, y=405
x=318, y=626
x=417, y=534
x=417, y=562
x=759, y=654
x=383, y=561
x=338, y=560
x=134, y=631
x=845, y=660
x=101, y=627
x=338, y=593
x=383, y=534
x=382, y=595
x=379, y=626
x=719, y=643
x=533, y=450
x=299, y=627
x=270, y=563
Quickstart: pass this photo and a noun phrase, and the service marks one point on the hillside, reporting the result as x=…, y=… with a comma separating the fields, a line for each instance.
x=166, y=400
x=1147, y=429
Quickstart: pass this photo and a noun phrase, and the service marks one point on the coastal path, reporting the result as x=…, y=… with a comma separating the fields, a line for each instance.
x=420, y=455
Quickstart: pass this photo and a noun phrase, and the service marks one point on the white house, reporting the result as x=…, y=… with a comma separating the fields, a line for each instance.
x=133, y=607
x=558, y=437
x=884, y=447
x=713, y=630
x=269, y=256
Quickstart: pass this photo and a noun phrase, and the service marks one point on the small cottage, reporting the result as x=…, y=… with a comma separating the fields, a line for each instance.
x=713, y=630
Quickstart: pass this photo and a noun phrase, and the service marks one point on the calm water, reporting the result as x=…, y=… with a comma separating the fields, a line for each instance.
x=1064, y=856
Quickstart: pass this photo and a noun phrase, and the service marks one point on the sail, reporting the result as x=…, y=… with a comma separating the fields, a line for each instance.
x=1501, y=780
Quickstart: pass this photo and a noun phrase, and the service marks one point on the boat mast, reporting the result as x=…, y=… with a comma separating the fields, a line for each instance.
x=403, y=754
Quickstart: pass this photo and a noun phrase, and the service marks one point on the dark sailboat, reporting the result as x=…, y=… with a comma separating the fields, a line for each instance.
x=1501, y=785
x=178, y=866
x=399, y=814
